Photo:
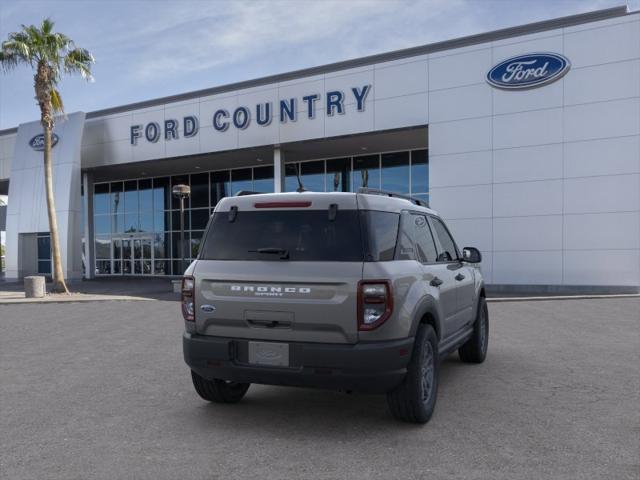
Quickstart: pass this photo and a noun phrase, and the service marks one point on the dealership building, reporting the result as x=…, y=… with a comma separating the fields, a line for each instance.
x=526, y=140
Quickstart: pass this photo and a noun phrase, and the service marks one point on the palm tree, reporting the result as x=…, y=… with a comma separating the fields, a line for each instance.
x=50, y=55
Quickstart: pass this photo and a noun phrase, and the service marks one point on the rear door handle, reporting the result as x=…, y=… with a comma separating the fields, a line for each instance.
x=436, y=282
x=459, y=277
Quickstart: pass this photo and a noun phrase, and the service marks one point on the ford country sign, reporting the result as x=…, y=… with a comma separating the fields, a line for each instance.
x=528, y=71
x=37, y=142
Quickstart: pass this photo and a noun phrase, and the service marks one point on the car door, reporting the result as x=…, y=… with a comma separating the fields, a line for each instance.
x=463, y=275
x=416, y=242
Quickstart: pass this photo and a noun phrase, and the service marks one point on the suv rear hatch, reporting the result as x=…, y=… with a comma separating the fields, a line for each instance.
x=281, y=267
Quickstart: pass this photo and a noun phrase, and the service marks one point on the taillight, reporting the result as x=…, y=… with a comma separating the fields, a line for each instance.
x=375, y=303
x=187, y=299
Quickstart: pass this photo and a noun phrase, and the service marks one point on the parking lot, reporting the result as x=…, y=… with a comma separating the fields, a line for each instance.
x=100, y=390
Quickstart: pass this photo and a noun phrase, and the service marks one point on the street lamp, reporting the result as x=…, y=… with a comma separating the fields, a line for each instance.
x=182, y=192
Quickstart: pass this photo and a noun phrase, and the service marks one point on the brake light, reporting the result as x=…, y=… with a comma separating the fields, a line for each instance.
x=375, y=303
x=282, y=204
x=187, y=299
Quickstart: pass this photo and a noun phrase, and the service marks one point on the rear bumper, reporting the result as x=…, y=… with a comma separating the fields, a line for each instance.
x=374, y=367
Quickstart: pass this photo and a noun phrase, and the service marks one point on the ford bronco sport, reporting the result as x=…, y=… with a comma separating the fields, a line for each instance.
x=358, y=291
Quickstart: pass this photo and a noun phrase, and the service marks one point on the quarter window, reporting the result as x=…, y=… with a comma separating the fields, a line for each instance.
x=448, y=251
x=416, y=241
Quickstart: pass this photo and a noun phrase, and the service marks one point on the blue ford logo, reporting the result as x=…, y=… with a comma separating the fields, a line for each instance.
x=37, y=142
x=528, y=71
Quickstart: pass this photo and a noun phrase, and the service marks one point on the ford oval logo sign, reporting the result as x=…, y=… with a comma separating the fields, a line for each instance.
x=37, y=142
x=528, y=71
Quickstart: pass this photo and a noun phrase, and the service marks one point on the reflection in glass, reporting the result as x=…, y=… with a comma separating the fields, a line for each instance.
x=196, y=238
x=220, y=186
x=161, y=267
x=241, y=180
x=263, y=179
x=117, y=248
x=101, y=224
x=338, y=175
x=126, y=267
x=145, y=195
x=291, y=172
x=146, y=221
x=160, y=221
x=160, y=244
x=117, y=223
x=131, y=196
x=103, y=267
x=103, y=247
x=419, y=172
x=175, y=220
x=366, y=172
x=313, y=176
x=161, y=194
x=101, y=198
x=117, y=267
x=131, y=224
x=44, y=247
x=117, y=198
x=44, y=266
x=395, y=172
x=200, y=190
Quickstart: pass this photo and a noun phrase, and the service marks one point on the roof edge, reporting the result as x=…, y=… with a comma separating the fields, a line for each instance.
x=535, y=27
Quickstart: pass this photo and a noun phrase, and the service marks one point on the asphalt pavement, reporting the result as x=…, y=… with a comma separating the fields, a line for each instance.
x=100, y=391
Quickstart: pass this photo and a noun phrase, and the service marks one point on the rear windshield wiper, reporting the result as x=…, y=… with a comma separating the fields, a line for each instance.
x=283, y=252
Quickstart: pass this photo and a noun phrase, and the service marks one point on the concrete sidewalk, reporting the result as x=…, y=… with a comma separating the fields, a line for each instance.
x=103, y=289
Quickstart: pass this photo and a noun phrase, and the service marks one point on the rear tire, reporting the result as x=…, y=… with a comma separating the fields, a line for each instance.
x=415, y=398
x=475, y=349
x=219, y=391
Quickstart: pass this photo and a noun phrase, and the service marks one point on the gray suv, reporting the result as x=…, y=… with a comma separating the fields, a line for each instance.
x=358, y=291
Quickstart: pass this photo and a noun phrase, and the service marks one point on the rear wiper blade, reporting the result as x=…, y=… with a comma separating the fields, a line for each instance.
x=283, y=252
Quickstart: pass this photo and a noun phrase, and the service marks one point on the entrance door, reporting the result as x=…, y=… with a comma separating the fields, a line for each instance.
x=136, y=255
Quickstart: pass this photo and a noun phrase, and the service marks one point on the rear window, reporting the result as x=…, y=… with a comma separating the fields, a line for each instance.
x=302, y=235
x=292, y=235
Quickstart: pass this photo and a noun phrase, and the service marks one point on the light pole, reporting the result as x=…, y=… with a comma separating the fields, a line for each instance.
x=182, y=192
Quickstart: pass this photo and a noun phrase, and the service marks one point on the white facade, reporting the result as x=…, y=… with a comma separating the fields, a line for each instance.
x=544, y=181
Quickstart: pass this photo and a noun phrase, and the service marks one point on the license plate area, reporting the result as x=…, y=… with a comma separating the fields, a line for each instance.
x=269, y=354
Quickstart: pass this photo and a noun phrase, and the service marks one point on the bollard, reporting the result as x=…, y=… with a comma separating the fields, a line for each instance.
x=34, y=287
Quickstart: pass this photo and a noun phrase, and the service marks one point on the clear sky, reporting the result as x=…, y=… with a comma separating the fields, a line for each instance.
x=151, y=48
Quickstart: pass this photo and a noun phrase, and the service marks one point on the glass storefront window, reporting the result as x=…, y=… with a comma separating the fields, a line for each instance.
x=419, y=171
x=241, y=179
x=131, y=196
x=366, y=172
x=313, y=176
x=263, y=179
x=161, y=194
x=291, y=177
x=338, y=175
x=220, y=186
x=161, y=221
x=145, y=195
x=175, y=220
x=103, y=247
x=144, y=211
x=101, y=198
x=200, y=190
x=395, y=172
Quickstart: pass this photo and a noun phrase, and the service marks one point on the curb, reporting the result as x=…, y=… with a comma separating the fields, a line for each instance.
x=105, y=298
x=561, y=297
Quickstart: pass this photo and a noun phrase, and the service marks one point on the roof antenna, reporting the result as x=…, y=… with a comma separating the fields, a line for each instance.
x=300, y=188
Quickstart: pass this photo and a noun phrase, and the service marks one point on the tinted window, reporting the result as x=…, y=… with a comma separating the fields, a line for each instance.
x=448, y=251
x=383, y=232
x=306, y=235
x=416, y=242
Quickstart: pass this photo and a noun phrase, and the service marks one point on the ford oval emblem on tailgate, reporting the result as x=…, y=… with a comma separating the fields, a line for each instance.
x=208, y=308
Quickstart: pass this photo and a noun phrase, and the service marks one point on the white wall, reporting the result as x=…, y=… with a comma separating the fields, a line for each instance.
x=7, y=145
x=546, y=182
x=27, y=208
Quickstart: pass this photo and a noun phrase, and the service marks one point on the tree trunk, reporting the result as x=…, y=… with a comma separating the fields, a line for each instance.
x=59, y=284
x=43, y=95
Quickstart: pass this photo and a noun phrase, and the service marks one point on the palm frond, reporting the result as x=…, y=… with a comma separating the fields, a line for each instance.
x=79, y=60
x=56, y=101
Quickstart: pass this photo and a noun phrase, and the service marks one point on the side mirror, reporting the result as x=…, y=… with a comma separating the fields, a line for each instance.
x=471, y=255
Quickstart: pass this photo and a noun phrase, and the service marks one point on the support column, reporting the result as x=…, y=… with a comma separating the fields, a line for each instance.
x=87, y=212
x=278, y=170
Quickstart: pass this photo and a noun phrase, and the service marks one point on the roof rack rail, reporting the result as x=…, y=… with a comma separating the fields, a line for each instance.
x=242, y=193
x=385, y=193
